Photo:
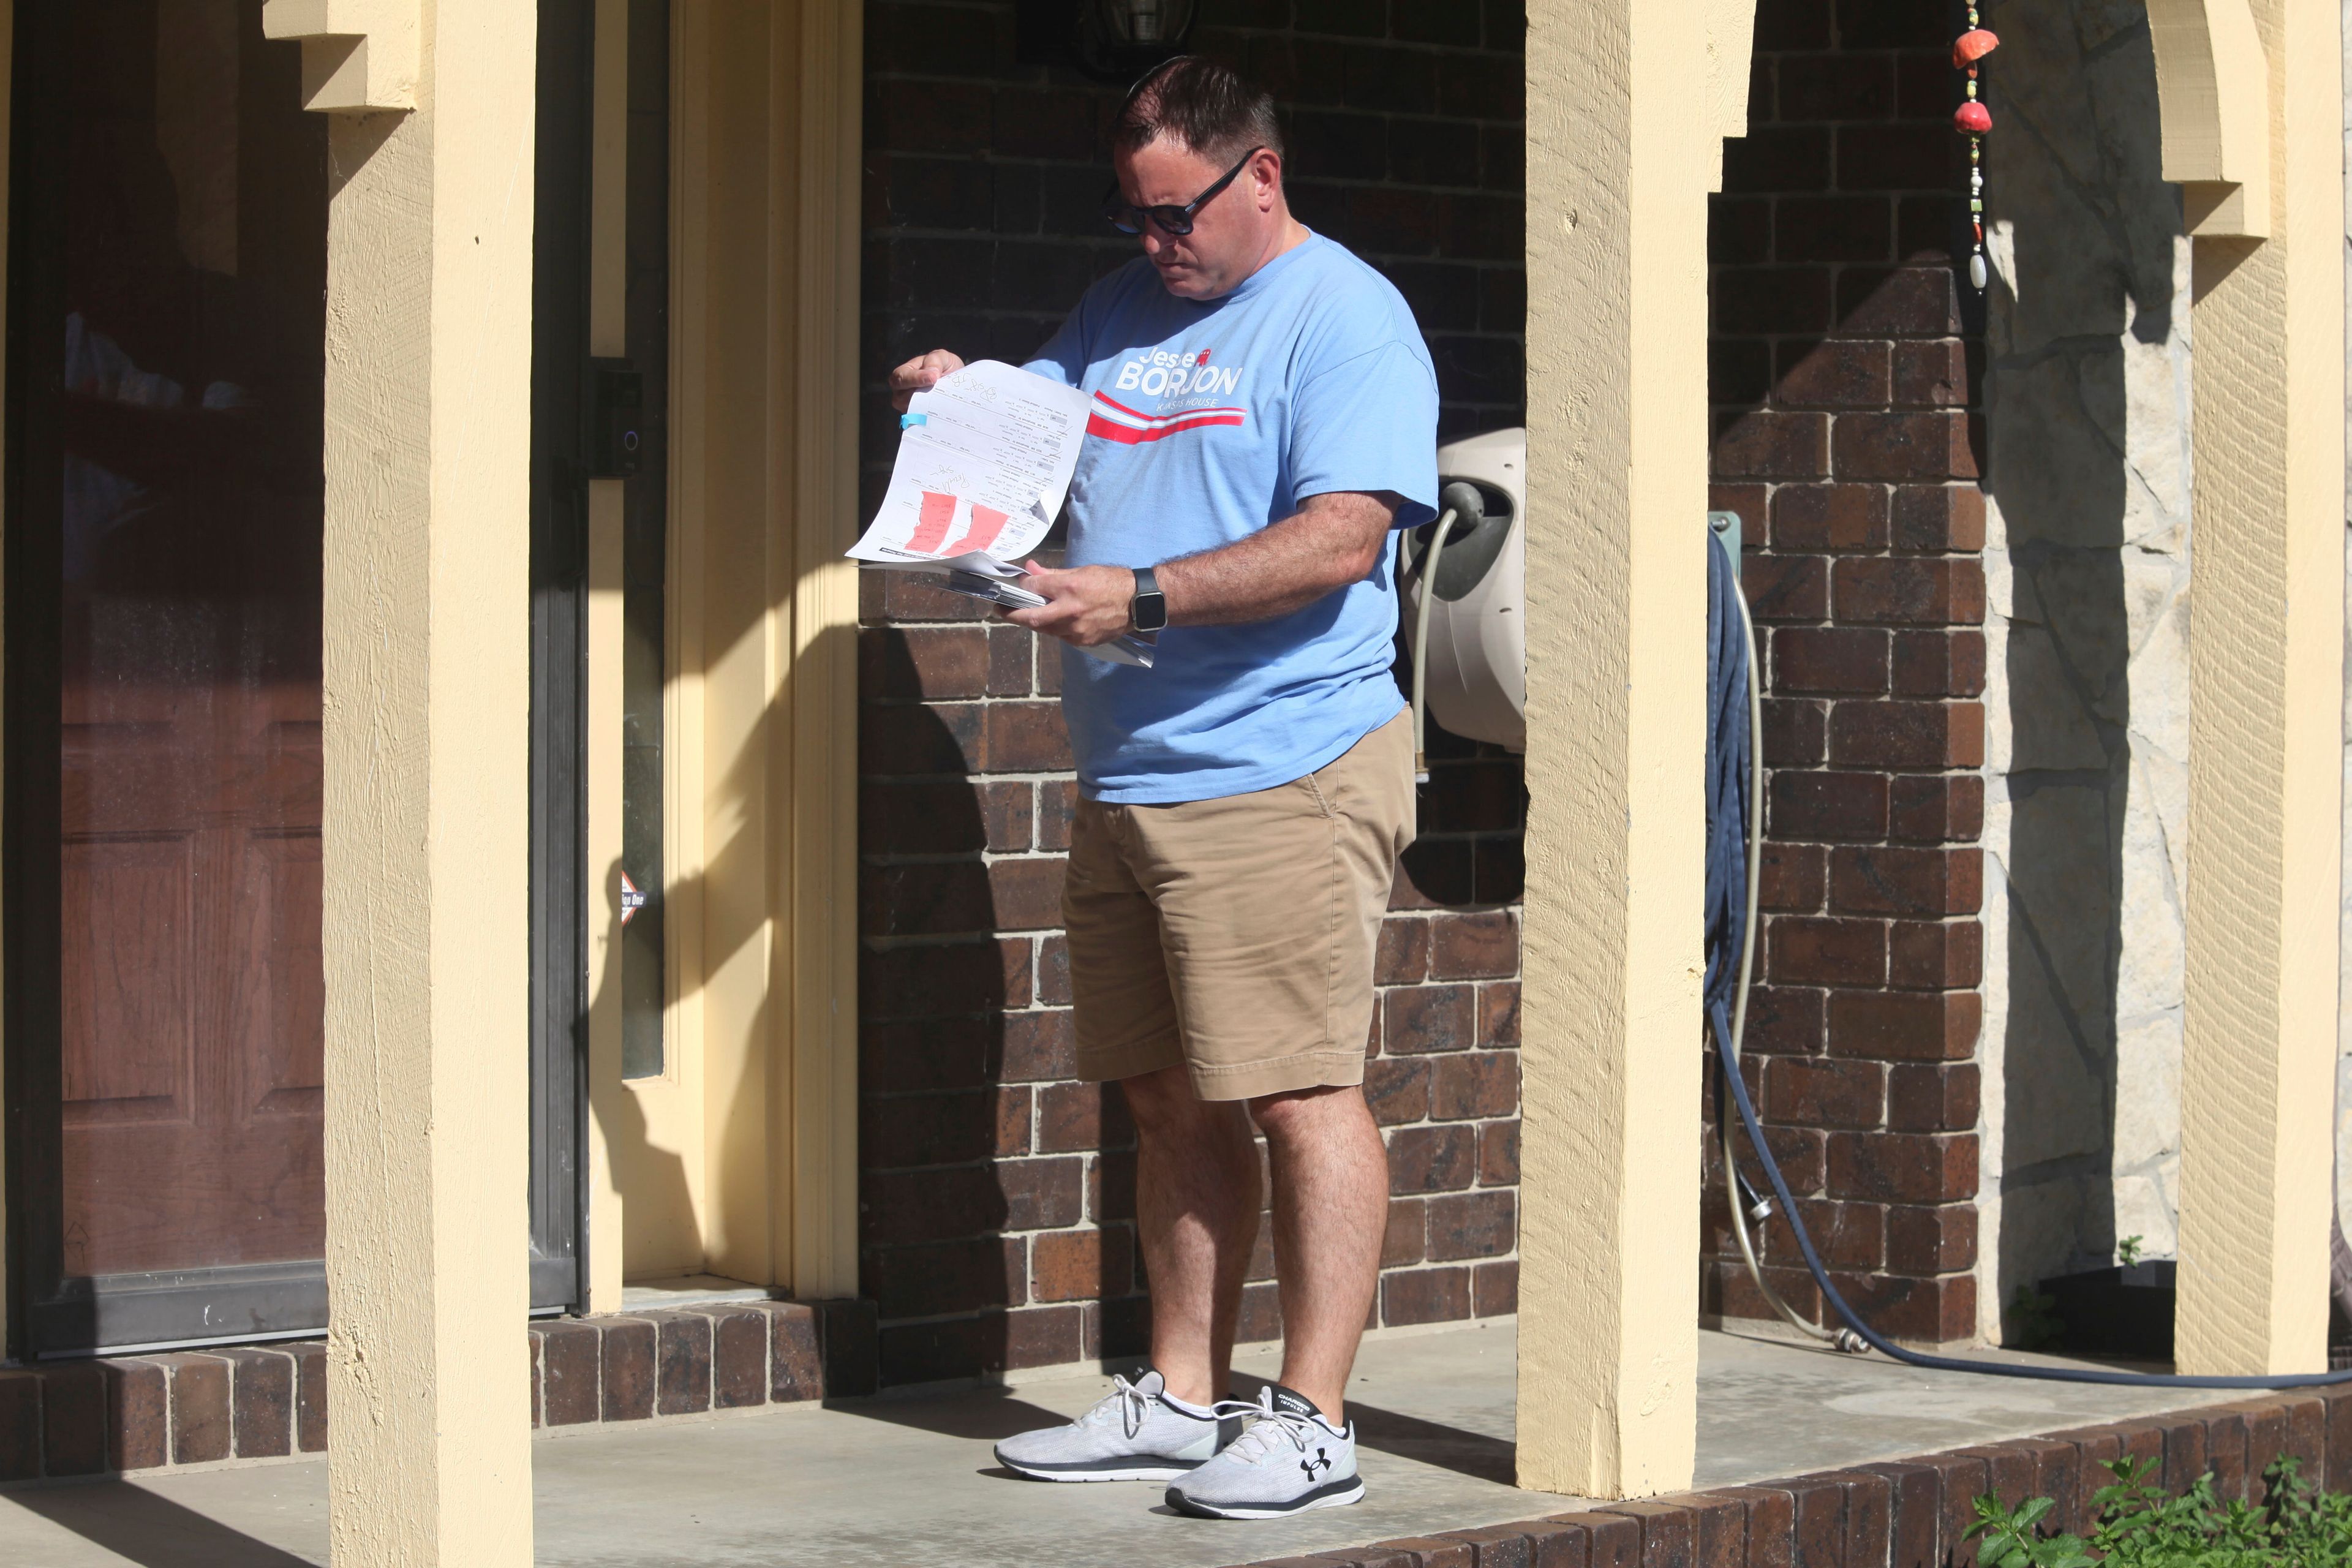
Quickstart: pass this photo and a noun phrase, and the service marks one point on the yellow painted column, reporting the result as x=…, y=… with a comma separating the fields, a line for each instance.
x=820, y=1122
x=2264, y=773
x=427, y=816
x=1622, y=149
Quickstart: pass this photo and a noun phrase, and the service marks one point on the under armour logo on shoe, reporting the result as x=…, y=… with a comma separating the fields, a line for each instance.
x=1321, y=1461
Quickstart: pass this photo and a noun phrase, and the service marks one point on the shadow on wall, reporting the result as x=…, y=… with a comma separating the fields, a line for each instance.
x=2088, y=398
x=970, y=1132
x=930, y=1088
x=653, y=1178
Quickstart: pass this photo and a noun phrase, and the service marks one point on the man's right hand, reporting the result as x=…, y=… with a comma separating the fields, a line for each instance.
x=919, y=375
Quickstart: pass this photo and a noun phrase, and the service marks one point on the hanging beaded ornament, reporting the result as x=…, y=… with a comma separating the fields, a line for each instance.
x=1974, y=119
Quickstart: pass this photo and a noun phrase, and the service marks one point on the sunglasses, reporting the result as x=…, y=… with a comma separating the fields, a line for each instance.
x=1129, y=218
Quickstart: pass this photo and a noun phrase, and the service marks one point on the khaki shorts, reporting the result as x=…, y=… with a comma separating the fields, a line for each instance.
x=1236, y=936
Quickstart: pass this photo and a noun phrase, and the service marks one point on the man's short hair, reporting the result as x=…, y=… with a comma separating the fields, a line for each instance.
x=1206, y=105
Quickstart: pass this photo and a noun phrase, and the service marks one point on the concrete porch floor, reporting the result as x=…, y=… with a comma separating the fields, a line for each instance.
x=907, y=1478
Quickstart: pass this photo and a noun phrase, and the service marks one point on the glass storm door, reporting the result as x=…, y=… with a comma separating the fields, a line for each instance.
x=164, y=1001
x=164, y=1004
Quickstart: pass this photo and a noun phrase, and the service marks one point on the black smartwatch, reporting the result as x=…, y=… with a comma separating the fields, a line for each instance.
x=1148, y=611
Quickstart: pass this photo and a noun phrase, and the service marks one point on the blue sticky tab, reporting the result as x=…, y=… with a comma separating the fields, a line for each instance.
x=907, y=419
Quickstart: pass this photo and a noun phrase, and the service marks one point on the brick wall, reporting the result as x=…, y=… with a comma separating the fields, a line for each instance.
x=1847, y=441
x=70, y=1419
x=997, y=1195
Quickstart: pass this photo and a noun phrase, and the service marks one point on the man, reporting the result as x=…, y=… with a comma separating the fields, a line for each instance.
x=1264, y=419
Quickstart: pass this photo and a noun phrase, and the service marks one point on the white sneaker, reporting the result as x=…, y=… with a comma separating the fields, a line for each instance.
x=1134, y=1434
x=1287, y=1459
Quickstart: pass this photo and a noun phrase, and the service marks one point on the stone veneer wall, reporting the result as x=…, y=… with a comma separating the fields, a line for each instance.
x=2087, y=735
x=2088, y=556
x=1842, y=381
x=996, y=1196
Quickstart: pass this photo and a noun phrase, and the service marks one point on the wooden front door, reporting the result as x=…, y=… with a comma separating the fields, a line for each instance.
x=191, y=999
x=165, y=1006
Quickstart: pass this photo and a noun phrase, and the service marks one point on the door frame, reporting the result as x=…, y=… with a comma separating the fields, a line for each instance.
x=742, y=1159
x=9, y=1271
x=558, y=591
x=766, y=187
x=27, y=1013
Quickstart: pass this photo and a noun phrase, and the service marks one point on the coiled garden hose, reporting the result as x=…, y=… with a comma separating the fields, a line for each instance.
x=1857, y=1334
x=1745, y=1202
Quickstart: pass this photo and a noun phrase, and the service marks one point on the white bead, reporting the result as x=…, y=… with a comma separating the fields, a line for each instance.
x=1977, y=269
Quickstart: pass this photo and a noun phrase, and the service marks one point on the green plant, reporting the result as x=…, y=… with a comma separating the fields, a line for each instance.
x=2012, y=1538
x=2034, y=1322
x=2141, y=1526
x=2128, y=1250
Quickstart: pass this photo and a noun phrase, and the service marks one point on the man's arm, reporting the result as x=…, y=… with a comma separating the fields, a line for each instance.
x=1334, y=540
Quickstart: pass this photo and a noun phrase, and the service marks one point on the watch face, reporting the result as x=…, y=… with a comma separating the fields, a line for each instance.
x=1150, y=612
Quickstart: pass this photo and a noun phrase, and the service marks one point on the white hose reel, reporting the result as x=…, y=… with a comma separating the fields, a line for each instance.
x=1469, y=652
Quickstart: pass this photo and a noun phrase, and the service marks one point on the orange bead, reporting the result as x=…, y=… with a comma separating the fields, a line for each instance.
x=1973, y=116
x=1973, y=46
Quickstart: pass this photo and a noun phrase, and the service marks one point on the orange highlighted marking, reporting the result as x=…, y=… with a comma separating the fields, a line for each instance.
x=932, y=529
x=986, y=524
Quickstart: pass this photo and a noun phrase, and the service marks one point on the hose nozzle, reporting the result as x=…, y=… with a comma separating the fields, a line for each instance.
x=1469, y=508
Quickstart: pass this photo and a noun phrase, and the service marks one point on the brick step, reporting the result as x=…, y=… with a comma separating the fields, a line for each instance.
x=1908, y=1513
x=118, y=1414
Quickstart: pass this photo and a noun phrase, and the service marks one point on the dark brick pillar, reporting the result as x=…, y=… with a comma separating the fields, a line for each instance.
x=996, y=1196
x=1846, y=439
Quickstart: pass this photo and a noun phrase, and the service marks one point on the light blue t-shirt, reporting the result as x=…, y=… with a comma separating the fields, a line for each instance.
x=1212, y=419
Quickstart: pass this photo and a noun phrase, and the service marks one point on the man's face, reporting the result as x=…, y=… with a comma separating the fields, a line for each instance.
x=1230, y=235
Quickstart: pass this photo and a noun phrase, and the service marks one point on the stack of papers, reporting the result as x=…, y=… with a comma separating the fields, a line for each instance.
x=984, y=462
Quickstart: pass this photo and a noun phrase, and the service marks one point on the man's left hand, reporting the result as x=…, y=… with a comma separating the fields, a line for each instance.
x=1084, y=606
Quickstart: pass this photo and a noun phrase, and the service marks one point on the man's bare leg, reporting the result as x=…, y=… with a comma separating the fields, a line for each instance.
x=1330, y=1209
x=1196, y=1208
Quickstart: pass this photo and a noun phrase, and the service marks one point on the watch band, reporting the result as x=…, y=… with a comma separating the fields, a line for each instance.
x=1148, y=611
